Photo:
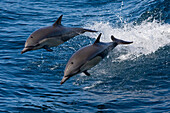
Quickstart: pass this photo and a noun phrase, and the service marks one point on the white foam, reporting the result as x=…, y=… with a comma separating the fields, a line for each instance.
x=93, y=85
x=147, y=37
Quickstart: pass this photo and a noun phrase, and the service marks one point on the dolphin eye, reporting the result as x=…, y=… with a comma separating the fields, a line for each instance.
x=72, y=63
x=31, y=37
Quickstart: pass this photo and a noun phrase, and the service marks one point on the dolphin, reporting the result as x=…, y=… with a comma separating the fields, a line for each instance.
x=89, y=56
x=51, y=36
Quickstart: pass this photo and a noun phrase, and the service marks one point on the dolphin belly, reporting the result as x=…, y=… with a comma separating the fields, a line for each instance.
x=51, y=42
x=91, y=63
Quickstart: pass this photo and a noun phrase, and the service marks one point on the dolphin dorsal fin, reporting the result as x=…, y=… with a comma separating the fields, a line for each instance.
x=98, y=39
x=58, y=22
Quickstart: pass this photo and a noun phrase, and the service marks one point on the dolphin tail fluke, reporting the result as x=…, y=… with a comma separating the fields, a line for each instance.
x=89, y=30
x=118, y=41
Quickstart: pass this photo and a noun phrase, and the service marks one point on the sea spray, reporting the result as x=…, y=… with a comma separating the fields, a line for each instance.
x=147, y=37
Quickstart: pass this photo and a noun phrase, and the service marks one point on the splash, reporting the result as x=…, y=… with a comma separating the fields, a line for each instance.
x=147, y=37
x=93, y=85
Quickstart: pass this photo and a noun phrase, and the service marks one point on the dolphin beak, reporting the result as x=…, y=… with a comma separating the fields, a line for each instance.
x=25, y=50
x=64, y=79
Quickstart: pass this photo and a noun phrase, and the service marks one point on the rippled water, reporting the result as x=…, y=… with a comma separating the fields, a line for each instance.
x=133, y=78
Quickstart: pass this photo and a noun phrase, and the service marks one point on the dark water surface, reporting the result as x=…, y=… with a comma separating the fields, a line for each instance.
x=133, y=78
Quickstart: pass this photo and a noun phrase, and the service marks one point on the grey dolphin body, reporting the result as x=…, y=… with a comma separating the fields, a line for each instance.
x=51, y=36
x=89, y=56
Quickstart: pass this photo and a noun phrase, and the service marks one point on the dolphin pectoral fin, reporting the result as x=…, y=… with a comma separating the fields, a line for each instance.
x=86, y=73
x=47, y=48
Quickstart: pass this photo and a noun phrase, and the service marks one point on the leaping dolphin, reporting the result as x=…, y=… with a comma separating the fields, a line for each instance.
x=89, y=56
x=51, y=36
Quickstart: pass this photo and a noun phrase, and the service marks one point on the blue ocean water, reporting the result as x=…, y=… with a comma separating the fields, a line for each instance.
x=133, y=78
